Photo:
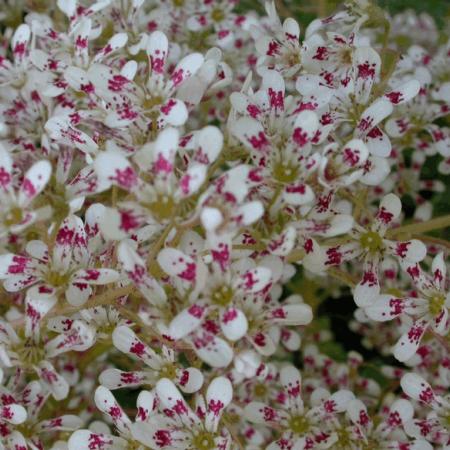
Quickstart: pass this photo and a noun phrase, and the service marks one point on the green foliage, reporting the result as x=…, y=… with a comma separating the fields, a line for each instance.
x=439, y=9
x=307, y=10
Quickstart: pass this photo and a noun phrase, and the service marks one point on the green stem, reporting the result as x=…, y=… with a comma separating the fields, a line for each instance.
x=340, y=275
x=92, y=354
x=432, y=240
x=99, y=300
x=153, y=253
x=422, y=227
x=441, y=340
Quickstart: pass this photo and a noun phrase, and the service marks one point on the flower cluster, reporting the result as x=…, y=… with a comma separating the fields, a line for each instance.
x=222, y=231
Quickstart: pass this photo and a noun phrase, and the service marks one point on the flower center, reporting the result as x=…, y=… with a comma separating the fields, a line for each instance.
x=371, y=241
x=395, y=292
x=151, y=101
x=260, y=390
x=447, y=420
x=14, y=217
x=162, y=208
x=168, y=371
x=217, y=15
x=344, y=438
x=29, y=353
x=133, y=445
x=292, y=58
x=222, y=295
x=331, y=171
x=203, y=441
x=436, y=304
x=346, y=56
x=285, y=172
x=57, y=279
x=299, y=424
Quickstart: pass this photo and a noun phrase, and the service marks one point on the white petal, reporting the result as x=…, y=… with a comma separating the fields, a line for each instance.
x=13, y=413
x=57, y=385
x=187, y=67
x=34, y=182
x=389, y=209
x=367, y=65
x=233, y=323
x=213, y=350
x=251, y=134
x=116, y=169
x=173, y=112
x=357, y=412
x=191, y=181
x=6, y=164
x=408, y=344
x=85, y=439
x=186, y=321
x=190, y=380
x=291, y=314
x=219, y=390
x=305, y=127
x=291, y=380
x=106, y=403
x=298, y=194
x=255, y=280
x=373, y=115
x=176, y=263
x=126, y=341
x=157, y=49
x=404, y=92
x=115, y=378
x=417, y=388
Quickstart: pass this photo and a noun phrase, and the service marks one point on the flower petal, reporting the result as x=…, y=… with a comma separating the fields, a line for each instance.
x=408, y=344
x=114, y=168
x=126, y=341
x=189, y=380
x=417, y=388
x=136, y=270
x=187, y=321
x=233, y=323
x=34, y=182
x=106, y=403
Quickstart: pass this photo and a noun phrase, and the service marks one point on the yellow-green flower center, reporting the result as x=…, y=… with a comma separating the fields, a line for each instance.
x=168, y=371
x=344, y=438
x=152, y=101
x=203, y=441
x=299, y=424
x=222, y=295
x=57, y=279
x=29, y=353
x=162, y=208
x=447, y=420
x=371, y=241
x=217, y=15
x=260, y=390
x=14, y=216
x=285, y=172
x=436, y=304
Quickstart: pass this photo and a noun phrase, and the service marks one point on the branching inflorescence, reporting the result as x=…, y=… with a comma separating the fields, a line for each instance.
x=186, y=186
